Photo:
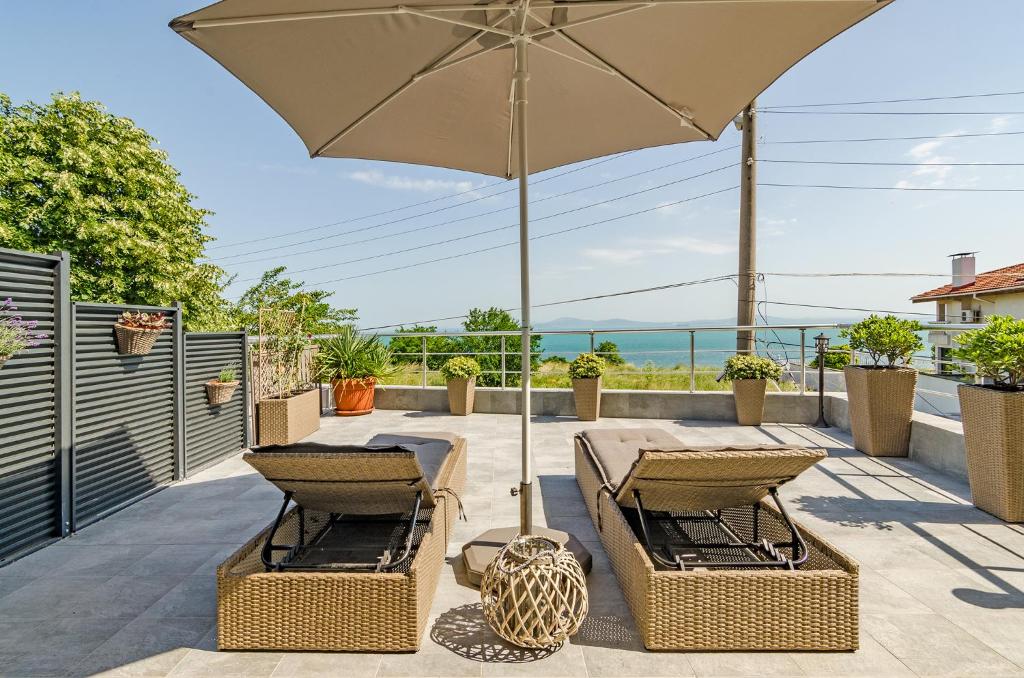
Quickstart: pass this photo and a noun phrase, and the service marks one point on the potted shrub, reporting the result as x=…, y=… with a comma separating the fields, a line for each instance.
x=220, y=389
x=353, y=363
x=460, y=373
x=137, y=331
x=749, y=375
x=288, y=409
x=993, y=416
x=585, y=372
x=881, y=394
x=15, y=334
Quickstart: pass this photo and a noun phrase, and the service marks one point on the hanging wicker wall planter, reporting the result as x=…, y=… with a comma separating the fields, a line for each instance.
x=219, y=392
x=135, y=340
x=534, y=593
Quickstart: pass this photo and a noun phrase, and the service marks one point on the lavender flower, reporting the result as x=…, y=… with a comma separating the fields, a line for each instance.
x=16, y=333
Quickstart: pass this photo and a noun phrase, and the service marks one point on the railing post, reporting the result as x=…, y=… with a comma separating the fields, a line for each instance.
x=693, y=363
x=503, y=361
x=591, y=341
x=803, y=361
x=423, y=361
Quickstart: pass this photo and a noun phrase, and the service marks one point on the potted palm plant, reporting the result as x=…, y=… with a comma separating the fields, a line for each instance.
x=16, y=334
x=460, y=373
x=220, y=389
x=749, y=375
x=993, y=416
x=882, y=394
x=136, y=332
x=353, y=363
x=585, y=372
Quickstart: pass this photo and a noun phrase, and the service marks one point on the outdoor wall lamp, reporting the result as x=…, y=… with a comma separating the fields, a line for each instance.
x=821, y=344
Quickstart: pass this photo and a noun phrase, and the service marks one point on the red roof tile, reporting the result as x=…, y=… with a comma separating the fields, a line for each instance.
x=1008, y=278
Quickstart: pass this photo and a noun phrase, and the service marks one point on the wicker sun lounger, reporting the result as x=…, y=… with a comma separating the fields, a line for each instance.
x=353, y=564
x=705, y=552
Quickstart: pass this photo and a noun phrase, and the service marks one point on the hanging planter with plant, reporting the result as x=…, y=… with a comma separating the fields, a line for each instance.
x=460, y=373
x=354, y=364
x=585, y=372
x=993, y=416
x=220, y=389
x=881, y=395
x=16, y=334
x=137, y=331
x=749, y=375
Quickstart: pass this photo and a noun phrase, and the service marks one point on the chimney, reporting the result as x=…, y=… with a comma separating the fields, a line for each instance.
x=963, y=268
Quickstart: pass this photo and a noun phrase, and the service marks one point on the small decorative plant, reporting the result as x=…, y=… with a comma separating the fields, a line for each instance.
x=586, y=366
x=220, y=389
x=136, y=331
x=16, y=334
x=747, y=366
x=889, y=337
x=137, y=320
x=460, y=367
x=228, y=374
x=997, y=350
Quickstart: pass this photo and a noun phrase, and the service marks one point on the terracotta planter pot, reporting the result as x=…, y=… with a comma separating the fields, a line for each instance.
x=220, y=392
x=133, y=340
x=353, y=397
x=994, y=440
x=749, y=397
x=881, y=408
x=283, y=421
x=461, y=393
x=587, y=395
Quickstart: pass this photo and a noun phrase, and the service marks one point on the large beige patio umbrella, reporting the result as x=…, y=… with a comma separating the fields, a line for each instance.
x=445, y=83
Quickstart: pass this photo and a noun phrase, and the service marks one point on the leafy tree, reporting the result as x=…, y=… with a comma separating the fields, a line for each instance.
x=76, y=178
x=609, y=350
x=409, y=350
x=312, y=312
x=497, y=320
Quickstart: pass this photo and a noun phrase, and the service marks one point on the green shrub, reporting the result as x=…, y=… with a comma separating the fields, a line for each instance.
x=460, y=367
x=228, y=373
x=586, y=366
x=889, y=337
x=997, y=350
x=836, y=358
x=609, y=350
x=350, y=355
x=555, y=360
x=746, y=366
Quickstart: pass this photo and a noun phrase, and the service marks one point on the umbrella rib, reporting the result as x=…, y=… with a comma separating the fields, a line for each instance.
x=436, y=66
x=683, y=117
x=579, y=22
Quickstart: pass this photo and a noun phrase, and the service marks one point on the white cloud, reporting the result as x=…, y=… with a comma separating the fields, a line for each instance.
x=1000, y=122
x=933, y=172
x=640, y=250
x=401, y=183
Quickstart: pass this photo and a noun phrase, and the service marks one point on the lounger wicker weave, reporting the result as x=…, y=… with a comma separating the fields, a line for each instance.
x=704, y=550
x=355, y=563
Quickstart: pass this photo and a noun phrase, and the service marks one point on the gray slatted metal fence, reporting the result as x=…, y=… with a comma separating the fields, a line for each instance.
x=127, y=414
x=33, y=441
x=213, y=433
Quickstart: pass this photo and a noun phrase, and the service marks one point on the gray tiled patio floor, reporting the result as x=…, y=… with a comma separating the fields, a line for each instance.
x=942, y=584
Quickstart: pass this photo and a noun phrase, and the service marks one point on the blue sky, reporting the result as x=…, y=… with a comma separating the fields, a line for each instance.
x=246, y=165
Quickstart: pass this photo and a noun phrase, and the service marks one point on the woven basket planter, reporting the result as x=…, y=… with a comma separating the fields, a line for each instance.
x=353, y=397
x=534, y=593
x=587, y=396
x=133, y=340
x=3, y=359
x=881, y=408
x=220, y=392
x=749, y=397
x=994, y=439
x=812, y=608
x=283, y=421
x=461, y=394
x=336, y=611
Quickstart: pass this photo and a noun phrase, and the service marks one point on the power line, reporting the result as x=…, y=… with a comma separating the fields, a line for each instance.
x=965, y=135
x=277, y=257
x=894, y=164
x=893, y=112
x=896, y=188
x=896, y=101
x=418, y=204
x=846, y=308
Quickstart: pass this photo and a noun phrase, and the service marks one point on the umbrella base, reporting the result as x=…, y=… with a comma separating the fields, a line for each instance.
x=478, y=553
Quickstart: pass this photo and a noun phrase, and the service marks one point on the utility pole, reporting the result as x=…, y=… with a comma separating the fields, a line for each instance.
x=746, y=287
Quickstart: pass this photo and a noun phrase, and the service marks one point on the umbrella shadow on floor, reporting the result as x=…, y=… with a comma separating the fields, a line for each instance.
x=464, y=631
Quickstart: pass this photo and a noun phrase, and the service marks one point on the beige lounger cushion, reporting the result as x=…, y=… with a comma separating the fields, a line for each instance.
x=614, y=450
x=382, y=476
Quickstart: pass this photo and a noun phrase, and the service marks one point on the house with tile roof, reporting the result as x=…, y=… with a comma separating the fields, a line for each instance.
x=970, y=298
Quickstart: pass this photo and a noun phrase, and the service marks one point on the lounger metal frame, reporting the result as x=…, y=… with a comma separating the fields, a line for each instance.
x=757, y=553
x=383, y=564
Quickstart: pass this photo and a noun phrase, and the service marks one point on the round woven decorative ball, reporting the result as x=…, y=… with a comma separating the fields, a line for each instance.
x=534, y=593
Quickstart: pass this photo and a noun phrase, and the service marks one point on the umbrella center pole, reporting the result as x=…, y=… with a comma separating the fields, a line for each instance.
x=522, y=75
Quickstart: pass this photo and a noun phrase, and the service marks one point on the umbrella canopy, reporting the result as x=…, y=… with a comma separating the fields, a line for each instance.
x=445, y=84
